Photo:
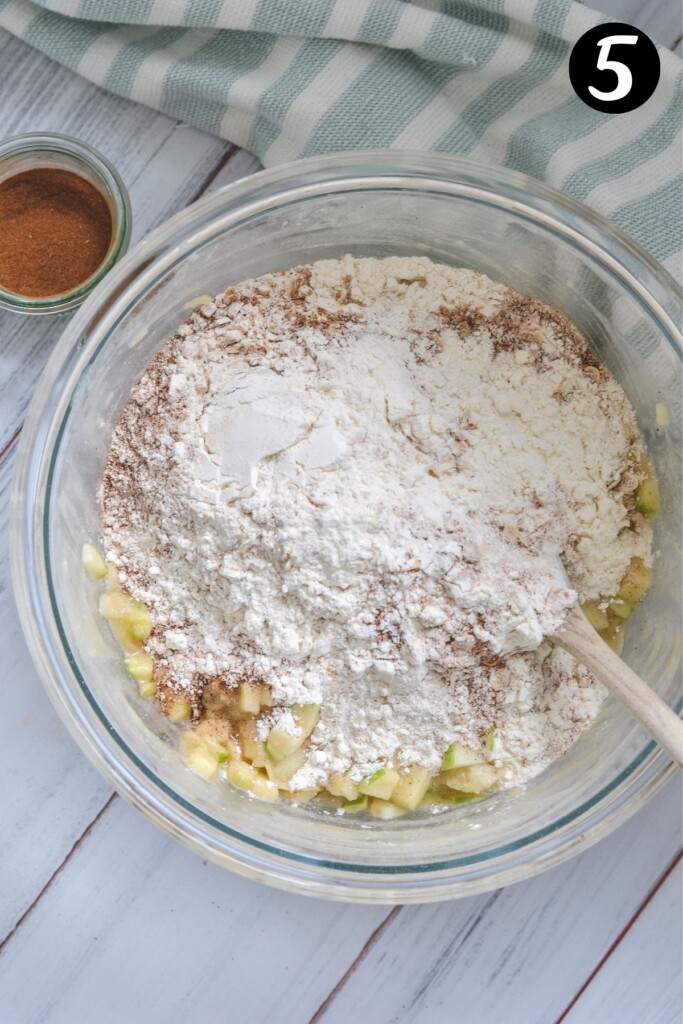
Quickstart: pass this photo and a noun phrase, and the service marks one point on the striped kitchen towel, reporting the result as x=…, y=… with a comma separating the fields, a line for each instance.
x=487, y=79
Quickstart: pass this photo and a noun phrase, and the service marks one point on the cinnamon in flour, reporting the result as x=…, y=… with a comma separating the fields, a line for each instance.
x=352, y=482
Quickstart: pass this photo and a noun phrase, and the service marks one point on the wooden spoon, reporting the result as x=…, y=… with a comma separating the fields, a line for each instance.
x=578, y=637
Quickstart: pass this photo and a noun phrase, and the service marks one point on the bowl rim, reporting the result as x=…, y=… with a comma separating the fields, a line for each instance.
x=47, y=417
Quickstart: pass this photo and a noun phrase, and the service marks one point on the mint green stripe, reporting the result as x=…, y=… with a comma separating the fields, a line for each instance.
x=380, y=21
x=374, y=93
x=477, y=43
x=55, y=36
x=644, y=338
x=465, y=8
x=655, y=220
x=273, y=105
x=468, y=37
x=534, y=143
x=480, y=46
x=196, y=87
x=538, y=139
x=656, y=138
x=508, y=90
x=202, y=13
x=127, y=11
x=127, y=61
x=367, y=114
x=303, y=18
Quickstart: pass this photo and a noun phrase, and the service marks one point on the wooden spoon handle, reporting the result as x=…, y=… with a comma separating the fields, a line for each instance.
x=578, y=637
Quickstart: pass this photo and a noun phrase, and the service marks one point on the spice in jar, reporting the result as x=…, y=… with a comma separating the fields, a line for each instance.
x=55, y=231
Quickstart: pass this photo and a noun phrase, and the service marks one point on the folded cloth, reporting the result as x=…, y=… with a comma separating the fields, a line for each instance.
x=487, y=79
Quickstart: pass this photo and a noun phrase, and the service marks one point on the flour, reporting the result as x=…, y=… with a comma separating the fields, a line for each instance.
x=354, y=482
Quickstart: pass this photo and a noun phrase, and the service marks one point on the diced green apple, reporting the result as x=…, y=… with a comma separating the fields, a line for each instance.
x=198, y=757
x=411, y=788
x=218, y=736
x=249, y=699
x=353, y=806
x=281, y=771
x=474, y=778
x=119, y=607
x=244, y=776
x=178, y=710
x=306, y=716
x=433, y=798
x=281, y=744
x=139, y=621
x=380, y=784
x=595, y=614
x=647, y=494
x=637, y=580
x=384, y=809
x=123, y=637
x=302, y=796
x=253, y=747
x=93, y=563
x=647, y=498
x=140, y=666
x=342, y=785
x=459, y=756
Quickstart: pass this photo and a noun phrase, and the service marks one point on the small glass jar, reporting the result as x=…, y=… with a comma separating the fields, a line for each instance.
x=38, y=150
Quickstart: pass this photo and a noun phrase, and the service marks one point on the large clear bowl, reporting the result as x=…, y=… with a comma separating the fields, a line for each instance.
x=369, y=204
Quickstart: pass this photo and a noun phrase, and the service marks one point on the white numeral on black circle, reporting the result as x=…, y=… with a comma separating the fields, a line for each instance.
x=623, y=73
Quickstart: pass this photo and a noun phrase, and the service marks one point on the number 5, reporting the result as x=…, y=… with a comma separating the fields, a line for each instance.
x=623, y=73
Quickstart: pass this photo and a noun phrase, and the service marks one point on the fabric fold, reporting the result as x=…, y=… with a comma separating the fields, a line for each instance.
x=487, y=79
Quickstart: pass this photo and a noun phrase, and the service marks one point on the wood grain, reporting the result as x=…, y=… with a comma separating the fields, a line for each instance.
x=142, y=926
x=50, y=792
x=520, y=954
x=661, y=19
x=641, y=978
x=130, y=902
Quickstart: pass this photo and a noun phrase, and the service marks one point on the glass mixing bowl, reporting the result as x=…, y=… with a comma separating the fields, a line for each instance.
x=512, y=228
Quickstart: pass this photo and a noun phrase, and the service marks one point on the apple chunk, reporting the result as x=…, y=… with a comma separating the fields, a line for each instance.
x=411, y=788
x=380, y=784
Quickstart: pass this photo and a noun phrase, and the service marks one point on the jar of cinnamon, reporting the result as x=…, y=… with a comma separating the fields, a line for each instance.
x=65, y=219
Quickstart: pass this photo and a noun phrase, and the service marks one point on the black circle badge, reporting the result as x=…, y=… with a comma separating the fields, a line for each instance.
x=614, y=68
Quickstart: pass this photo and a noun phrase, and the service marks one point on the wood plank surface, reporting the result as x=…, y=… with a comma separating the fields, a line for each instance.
x=129, y=902
x=52, y=793
x=159, y=936
x=661, y=19
x=641, y=978
x=519, y=954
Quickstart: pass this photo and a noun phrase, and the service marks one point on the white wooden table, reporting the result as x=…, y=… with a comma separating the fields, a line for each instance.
x=102, y=918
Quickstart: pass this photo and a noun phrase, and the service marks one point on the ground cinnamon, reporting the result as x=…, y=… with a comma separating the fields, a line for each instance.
x=55, y=230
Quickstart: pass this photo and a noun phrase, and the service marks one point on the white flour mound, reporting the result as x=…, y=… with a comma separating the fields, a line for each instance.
x=354, y=481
